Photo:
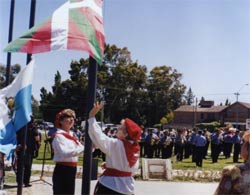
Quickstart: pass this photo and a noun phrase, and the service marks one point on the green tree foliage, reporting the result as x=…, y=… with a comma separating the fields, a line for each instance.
x=164, y=120
x=70, y=93
x=189, y=97
x=124, y=86
x=14, y=70
x=210, y=126
x=227, y=103
x=165, y=92
x=35, y=108
x=122, y=83
x=170, y=116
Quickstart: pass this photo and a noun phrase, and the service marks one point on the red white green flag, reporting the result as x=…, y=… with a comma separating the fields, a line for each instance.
x=76, y=25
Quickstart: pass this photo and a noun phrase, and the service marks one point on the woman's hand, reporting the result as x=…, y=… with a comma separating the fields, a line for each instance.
x=97, y=107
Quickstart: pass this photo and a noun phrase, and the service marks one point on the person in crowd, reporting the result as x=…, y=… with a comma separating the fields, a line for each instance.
x=49, y=139
x=112, y=133
x=32, y=140
x=122, y=154
x=2, y=170
x=150, y=140
x=38, y=141
x=166, y=145
x=228, y=142
x=142, y=141
x=172, y=135
x=158, y=145
x=193, y=136
x=236, y=144
x=216, y=142
x=78, y=133
x=235, y=179
x=179, y=144
x=200, y=144
x=207, y=135
x=188, y=145
x=66, y=150
x=107, y=132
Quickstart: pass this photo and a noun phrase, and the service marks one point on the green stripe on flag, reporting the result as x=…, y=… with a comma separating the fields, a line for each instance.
x=88, y=31
x=17, y=44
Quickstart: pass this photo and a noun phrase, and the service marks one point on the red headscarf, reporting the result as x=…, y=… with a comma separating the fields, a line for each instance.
x=132, y=149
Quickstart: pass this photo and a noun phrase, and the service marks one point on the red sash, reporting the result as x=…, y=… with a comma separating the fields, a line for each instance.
x=132, y=152
x=71, y=164
x=68, y=136
x=116, y=173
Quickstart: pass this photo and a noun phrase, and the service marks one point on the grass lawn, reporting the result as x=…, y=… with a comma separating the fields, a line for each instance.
x=206, y=164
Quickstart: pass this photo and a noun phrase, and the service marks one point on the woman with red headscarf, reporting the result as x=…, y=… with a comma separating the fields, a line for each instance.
x=66, y=150
x=122, y=154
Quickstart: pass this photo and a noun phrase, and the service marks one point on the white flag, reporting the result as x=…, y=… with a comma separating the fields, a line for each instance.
x=15, y=108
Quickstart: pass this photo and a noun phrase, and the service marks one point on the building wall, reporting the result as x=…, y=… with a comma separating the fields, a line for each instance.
x=184, y=117
x=195, y=117
x=231, y=113
x=227, y=115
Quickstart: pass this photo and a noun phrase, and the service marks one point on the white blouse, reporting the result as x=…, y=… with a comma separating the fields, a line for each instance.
x=115, y=159
x=65, y=150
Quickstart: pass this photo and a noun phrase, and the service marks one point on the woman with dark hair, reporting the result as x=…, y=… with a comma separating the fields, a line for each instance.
x=66, y=150
x=235, y=179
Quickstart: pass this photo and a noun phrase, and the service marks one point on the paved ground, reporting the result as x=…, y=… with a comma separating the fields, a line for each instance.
x=142, y=187
x=41, y=187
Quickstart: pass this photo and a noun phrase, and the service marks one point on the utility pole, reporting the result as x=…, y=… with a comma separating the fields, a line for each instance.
x=237, y=108
x=195, y=118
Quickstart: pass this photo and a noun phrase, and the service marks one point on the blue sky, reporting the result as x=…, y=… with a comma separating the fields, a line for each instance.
x=208, y=41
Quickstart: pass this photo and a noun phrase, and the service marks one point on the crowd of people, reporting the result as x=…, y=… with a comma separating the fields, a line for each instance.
x=184, y=143
x=191, y=142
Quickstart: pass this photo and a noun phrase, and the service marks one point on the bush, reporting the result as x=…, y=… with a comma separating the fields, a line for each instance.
x=209, y=126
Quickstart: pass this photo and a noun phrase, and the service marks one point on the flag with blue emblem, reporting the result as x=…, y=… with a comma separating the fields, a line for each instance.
x=15, y=108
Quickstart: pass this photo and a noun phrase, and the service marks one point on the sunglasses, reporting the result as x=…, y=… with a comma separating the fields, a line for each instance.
x=67, y=116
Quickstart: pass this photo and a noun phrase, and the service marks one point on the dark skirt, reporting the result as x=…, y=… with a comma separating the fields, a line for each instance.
x=101, y=189
x=64, y=179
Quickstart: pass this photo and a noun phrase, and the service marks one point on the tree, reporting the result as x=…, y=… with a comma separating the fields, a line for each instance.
x=35, y=108
x=189, y=97
x=170, y=116
x=47, y=105
x=165, y=92
x=164, y=120
x=227, y=103
x=14, y=70
x=124, y=86
x=70, y=93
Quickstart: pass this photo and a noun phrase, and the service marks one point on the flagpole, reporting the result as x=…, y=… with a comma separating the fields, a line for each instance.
x=32, y=22
x=24, y=129
x=87, y=163
x=7, y=76
x=12, y=7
